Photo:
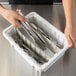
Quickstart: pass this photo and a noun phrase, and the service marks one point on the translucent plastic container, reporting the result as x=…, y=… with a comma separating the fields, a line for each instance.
x=51, y=31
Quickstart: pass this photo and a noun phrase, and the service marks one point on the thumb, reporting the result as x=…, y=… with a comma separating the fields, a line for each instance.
x=21, y=18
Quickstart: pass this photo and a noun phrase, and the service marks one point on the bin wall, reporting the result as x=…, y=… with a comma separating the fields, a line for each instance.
x=22, y=68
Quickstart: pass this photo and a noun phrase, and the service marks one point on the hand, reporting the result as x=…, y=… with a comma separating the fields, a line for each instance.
x=13, y=17
x=70, y=33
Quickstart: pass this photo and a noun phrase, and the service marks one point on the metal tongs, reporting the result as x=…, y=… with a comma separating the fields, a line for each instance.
x=30, y=40
x=40, y=38
x=32, y=35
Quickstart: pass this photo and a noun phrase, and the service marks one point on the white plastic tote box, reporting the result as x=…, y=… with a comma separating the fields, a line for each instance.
x=30, y=66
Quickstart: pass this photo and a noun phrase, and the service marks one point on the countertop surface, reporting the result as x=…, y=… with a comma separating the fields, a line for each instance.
x=52, y=13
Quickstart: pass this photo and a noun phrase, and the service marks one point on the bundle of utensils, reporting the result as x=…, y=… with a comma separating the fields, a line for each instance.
x=36, y=42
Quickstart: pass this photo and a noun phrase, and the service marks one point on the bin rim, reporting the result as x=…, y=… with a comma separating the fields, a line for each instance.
x=45, y=66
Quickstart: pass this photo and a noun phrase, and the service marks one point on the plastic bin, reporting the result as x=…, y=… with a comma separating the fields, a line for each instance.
x=51, y=31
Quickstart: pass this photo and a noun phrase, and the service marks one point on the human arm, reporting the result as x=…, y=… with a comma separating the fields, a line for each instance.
x=11, y=16
x=70, y=29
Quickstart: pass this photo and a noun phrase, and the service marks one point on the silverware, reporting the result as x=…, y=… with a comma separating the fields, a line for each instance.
x=26, y=49
x=49, y=43
x=33, y=41
x=35, y=48
x=26, y=26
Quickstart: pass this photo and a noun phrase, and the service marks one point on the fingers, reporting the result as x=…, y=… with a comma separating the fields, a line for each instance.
x=74, y=41
x=70, y=42
x=21, y=18
x=18, y=18
x=18, y=10
x=17, y=24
